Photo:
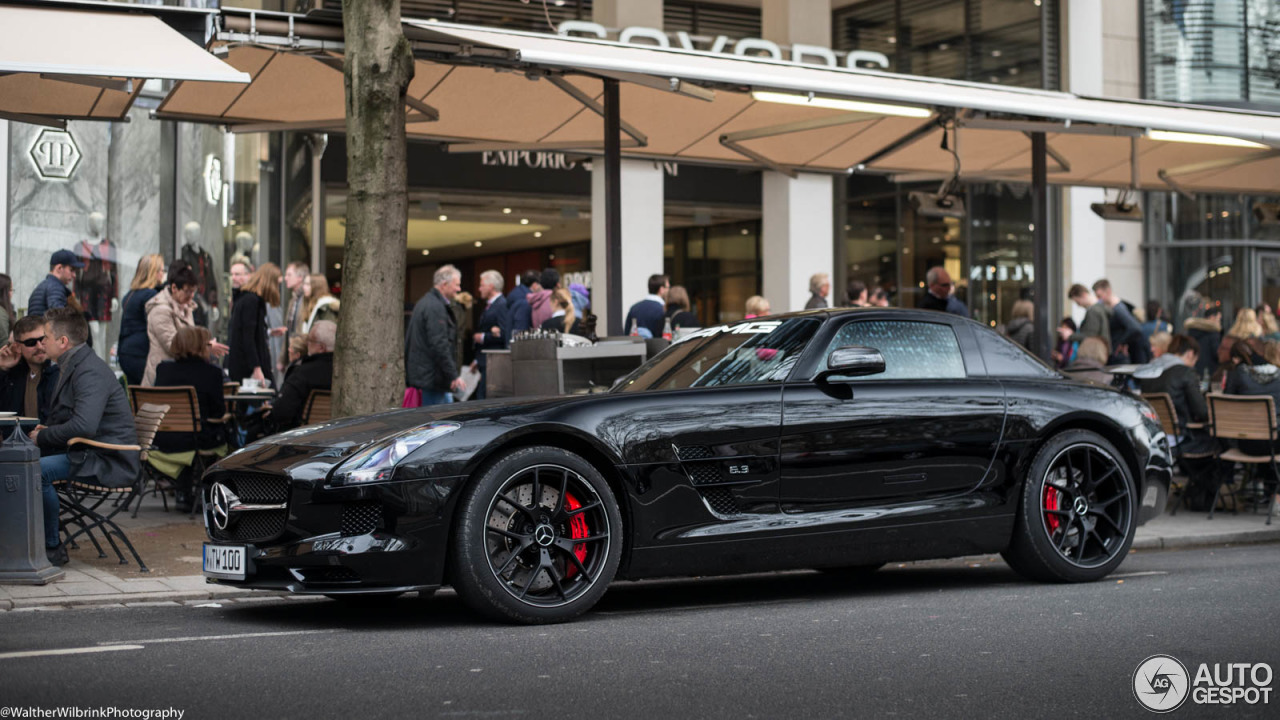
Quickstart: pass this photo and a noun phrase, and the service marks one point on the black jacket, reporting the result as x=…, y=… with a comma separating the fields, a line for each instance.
x=13, y=389
x=1256, y=380
x=49, y=294
x=314, y=372
x=90, y=403
x=429, y=361
x=1183, y=385
x=1208, y=333
x=816, y=301
x=1020, y=330
x=248, y=338
x=495, y=314
x=206, y=378
x=555, y=323
x=133, y=323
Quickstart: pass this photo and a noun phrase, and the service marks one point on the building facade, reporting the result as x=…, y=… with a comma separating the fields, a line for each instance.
x=194, y=191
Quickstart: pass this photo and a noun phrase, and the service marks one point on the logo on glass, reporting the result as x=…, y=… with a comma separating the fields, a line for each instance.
x=1161, y=683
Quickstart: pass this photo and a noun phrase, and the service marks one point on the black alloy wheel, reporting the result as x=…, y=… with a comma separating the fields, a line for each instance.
x=538, y=538
x=1078, y=512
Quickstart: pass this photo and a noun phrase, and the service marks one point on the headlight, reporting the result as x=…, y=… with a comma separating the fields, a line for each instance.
x=376, y=462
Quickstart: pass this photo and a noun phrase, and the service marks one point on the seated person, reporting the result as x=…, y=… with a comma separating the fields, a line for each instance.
x=297, y=351
x=1174, y=372
x=88, y=403
x=1251, y=377
x=190, y=366
x=563, y=319
x=315, y=372
x=1091, y=358
x=26, y=387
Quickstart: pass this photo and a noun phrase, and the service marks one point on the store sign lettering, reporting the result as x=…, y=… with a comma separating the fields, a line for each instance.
x=1003, y=272
x=545, y=160
x=800, y=54
x=55, y=154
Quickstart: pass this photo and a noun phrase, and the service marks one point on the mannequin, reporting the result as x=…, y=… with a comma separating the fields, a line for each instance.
x=191, y=233
x=97, y=222
x=206, y=278
x=96, y=285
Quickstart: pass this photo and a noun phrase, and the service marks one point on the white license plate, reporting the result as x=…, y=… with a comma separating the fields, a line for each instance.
x=224, y=561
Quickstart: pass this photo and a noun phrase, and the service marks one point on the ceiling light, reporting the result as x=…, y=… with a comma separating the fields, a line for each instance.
x=538, y=234
x=524, y=221
x=337, y=266
x=426, y=252
x=840, y=104
x=1201, y=139
x=443, y=218
x=479, y=244
x=506, y=211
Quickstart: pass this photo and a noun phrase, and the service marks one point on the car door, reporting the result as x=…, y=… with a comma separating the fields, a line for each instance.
x=894, y=443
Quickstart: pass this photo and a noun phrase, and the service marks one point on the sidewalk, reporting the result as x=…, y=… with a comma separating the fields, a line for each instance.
x=170, y=544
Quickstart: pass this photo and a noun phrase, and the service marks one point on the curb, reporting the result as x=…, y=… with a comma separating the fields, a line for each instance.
x=134, y=599
x=1225, y=538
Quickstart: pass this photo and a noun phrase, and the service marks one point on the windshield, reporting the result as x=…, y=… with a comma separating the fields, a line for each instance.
x=761, y=351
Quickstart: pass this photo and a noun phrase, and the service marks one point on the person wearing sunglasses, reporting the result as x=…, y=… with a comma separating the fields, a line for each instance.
x=27, y=375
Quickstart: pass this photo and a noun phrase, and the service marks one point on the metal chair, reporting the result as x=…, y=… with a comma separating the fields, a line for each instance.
x=81, y=500
x=1245, y=417
x=319, y=407
x=1167, y=412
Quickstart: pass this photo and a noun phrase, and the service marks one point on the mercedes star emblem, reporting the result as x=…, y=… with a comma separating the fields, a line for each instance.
x=222, y=502
x=544, y=535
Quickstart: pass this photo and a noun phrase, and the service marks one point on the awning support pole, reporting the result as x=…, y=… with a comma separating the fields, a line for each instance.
x=612, y=206
x=1044, y=325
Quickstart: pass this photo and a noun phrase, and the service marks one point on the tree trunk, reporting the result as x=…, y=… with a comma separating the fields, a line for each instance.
x=369, y=360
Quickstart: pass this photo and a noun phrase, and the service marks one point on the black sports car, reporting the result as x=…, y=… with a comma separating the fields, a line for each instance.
x=821, y=439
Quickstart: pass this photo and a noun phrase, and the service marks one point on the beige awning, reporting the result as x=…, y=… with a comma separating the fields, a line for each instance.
x=68, y=64
x=481, y=89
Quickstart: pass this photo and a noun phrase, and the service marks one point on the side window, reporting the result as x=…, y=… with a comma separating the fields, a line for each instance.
x=1004, y=358
x=911, y=350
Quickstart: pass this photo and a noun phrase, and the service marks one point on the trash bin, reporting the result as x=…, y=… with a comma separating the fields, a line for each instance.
x=22, y=556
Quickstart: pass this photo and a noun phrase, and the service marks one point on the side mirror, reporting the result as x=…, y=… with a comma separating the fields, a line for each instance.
x=854, y=361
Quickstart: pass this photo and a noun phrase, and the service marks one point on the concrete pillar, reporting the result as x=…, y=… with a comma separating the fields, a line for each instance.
x=642, y=192
x=797, y=238
x=642, y=232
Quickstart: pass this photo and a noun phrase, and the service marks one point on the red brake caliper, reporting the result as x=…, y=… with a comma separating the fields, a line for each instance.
x=1051, y=503
x=577, y=529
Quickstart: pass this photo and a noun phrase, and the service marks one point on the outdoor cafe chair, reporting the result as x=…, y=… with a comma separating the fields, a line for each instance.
x=184, y=417
x=1162, y=404
x=82, y=502
x=319, y=407
x=1245, y=417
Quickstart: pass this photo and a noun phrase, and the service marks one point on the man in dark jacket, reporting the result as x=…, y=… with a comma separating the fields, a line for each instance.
x=650, y=314
x=87, y=403
x=26, y=387
x=1097, y=319
x=819, y=288
x=940, y=293
x=1208, y=332
x=429, y=362
x=1128, y=344
x=315, y=372
x=52, y=292
x=518, y=307
x=494, y=330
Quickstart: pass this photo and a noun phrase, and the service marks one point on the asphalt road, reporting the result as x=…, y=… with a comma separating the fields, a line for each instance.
x=941, y=639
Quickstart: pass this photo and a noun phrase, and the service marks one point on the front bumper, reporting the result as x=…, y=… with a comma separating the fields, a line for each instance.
x=387, y=537
x=1156, y=476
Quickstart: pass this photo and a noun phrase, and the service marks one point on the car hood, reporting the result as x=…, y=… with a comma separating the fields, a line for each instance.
x=357, y=431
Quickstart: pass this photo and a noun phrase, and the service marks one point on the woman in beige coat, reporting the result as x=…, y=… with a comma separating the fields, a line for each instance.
x=168, y=311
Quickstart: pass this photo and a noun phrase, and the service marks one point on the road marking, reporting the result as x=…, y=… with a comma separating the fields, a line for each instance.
x=1140, y=574
x=65, y=651
x=200, y=638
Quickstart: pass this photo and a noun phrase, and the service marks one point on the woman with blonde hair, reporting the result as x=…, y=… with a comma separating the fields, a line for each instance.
x=1246, y=329
x=757, y=306
x=562, y=317
x=250, y=356
x=320, y=303
x=1267, y=319
x=134, y=345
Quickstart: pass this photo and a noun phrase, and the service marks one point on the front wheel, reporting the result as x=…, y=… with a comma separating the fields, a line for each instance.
x=538, y=537
x=1077, y=517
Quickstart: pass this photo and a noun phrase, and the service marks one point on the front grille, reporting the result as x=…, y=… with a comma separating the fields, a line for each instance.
x=721, y=501
x=360, y=518
x=329, y=575
x=256, y=525
x=704, y=473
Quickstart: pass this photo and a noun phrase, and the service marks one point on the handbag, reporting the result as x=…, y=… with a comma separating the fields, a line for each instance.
x=412, y=398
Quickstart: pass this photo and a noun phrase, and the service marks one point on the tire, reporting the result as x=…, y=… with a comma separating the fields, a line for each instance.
x=1078, y=511
x=532, y=562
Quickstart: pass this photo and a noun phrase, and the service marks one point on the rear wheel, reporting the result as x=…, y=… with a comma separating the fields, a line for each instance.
x=538, y=537
x=1078, y=513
